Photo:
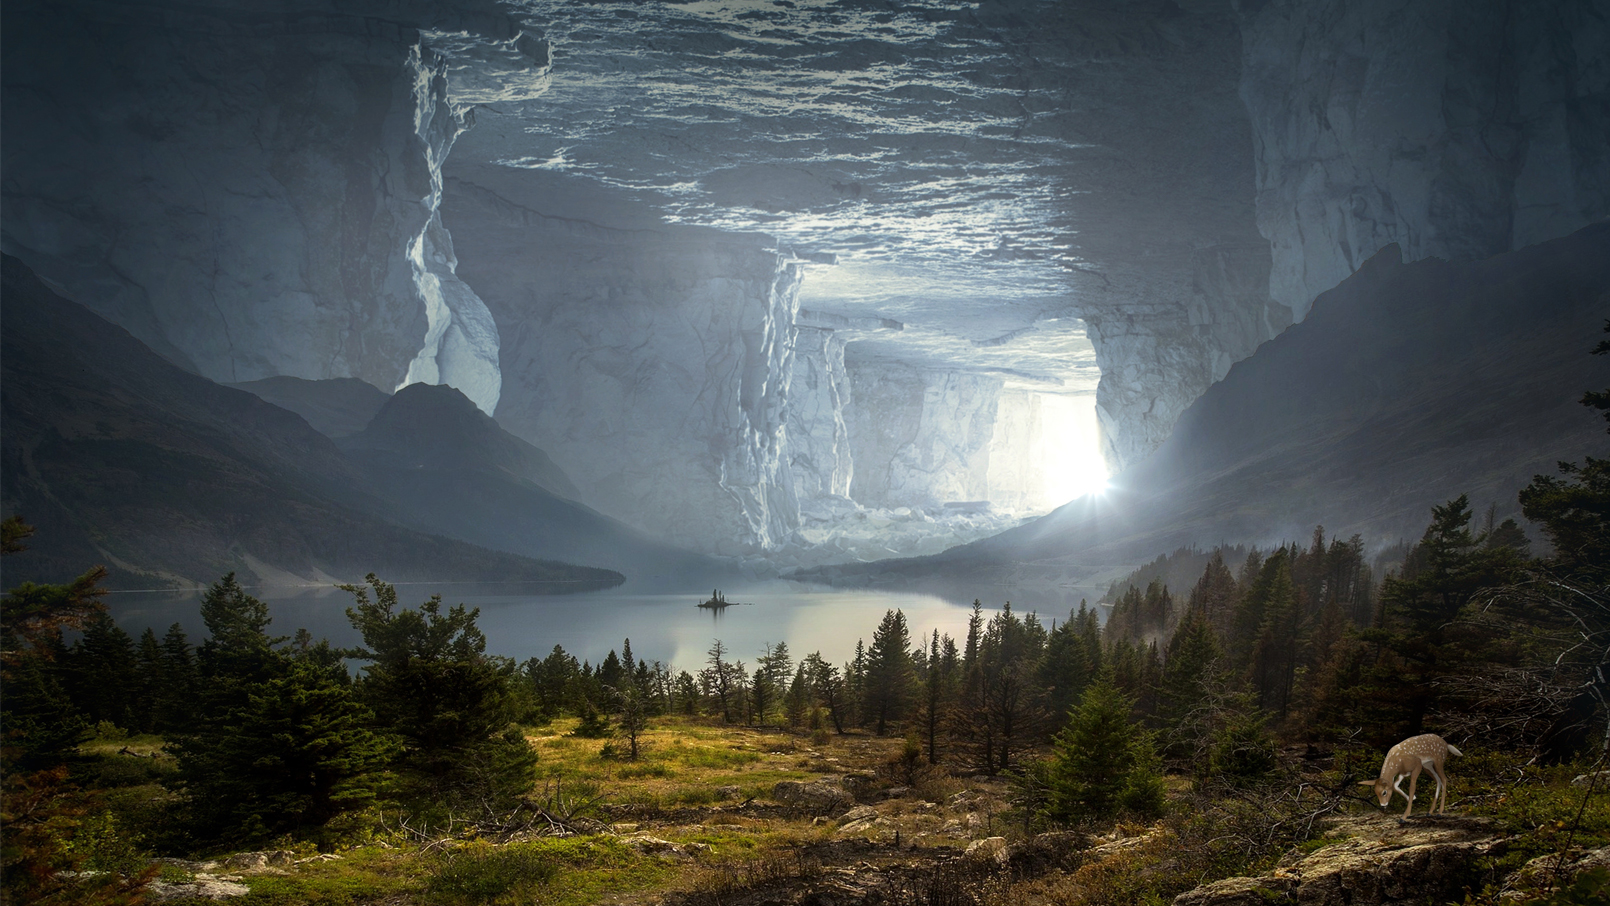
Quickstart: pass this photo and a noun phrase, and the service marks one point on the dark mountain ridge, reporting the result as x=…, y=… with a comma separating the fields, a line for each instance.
x=445, y=466
x=434, y=426
x=121, y=458
x=335, y=407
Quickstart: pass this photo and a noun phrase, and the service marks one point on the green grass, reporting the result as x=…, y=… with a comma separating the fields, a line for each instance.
x=364, y=875
x=557, y=871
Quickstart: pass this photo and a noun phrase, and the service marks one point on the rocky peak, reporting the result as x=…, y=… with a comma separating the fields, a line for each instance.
x=434, y=426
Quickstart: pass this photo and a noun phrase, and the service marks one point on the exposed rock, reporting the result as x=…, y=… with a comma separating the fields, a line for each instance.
x=1239, y=892
x=665, y=849
x=1381, y=862
x=202, y=886
x=991, y=848
x=259, y=861
x=919, y=439
x=861, y=814
x=658, y=377
x=819, y=796
x=1551, y=871
x=819, y=455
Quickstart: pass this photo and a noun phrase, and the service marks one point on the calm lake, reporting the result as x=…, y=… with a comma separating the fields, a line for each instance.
x=665, y=627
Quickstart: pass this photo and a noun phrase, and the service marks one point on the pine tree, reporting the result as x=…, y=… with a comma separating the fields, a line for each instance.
x=827, y=685
x=1102, y=764
x=175, y=696
x=298, y=753
x=771, y=679
x=429, y=681
x=1004, y=711
x=942, y=667
x=103, y=671
x=238, y=656
x=1189, y=673
x=611, y=675
x=719, y=681
x=150, y=682
x=889, y=677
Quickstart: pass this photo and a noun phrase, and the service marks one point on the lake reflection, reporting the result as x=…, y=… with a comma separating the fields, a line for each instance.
x=665, y=627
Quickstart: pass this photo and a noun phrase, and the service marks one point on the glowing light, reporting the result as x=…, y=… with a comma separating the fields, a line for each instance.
x=1069, y=454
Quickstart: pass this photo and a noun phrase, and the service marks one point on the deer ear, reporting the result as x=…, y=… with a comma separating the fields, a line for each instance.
x=1366, y=783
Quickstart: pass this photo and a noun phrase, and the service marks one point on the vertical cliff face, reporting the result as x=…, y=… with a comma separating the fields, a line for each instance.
x=920, y=438
x=652, y=365
x=251, y=193
x=819, y=454
x=1016, y=476
x=1455, y=129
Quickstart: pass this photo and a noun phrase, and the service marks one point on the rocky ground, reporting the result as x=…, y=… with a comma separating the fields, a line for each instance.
x=723, y=816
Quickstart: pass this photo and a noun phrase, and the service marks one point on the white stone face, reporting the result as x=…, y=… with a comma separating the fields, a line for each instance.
x=1456, y=130
x=250, y=197
x=1016, y=478
x=818, y=438
x=920, y=438
x=653, y=366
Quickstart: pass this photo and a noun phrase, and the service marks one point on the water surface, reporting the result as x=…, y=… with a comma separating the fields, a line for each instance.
x=667, y=627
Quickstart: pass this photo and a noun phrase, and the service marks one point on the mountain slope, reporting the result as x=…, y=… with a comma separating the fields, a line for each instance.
x=433, y=426
x=335, y=407
x=447, y=467
x=1407, y=385
x=119, y=457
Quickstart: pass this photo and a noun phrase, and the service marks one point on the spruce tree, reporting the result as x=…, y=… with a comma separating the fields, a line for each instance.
x=103, y=667
x=430, y=681
x=175, y=698
x=1102, y=763
x=295, y=755
x=889, y=675
x=1189, y=672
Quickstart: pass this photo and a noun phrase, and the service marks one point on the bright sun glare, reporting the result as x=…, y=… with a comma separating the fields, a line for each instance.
x=1069, y=453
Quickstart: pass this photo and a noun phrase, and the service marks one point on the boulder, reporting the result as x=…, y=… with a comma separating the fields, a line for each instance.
x=819, y=796
x=860, y=815
x=989, y=848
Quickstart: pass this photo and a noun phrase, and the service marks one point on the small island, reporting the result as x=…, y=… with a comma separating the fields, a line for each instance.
x=717, y=601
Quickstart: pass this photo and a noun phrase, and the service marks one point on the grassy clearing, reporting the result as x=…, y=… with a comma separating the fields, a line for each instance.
x=681, y=763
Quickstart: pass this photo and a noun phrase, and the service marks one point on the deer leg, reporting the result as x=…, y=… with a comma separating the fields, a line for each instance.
x=1397, y=784
x=1414, y=781
x=1442, y=794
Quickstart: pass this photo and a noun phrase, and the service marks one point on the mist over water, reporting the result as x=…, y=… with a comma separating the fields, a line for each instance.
x=667, y=627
